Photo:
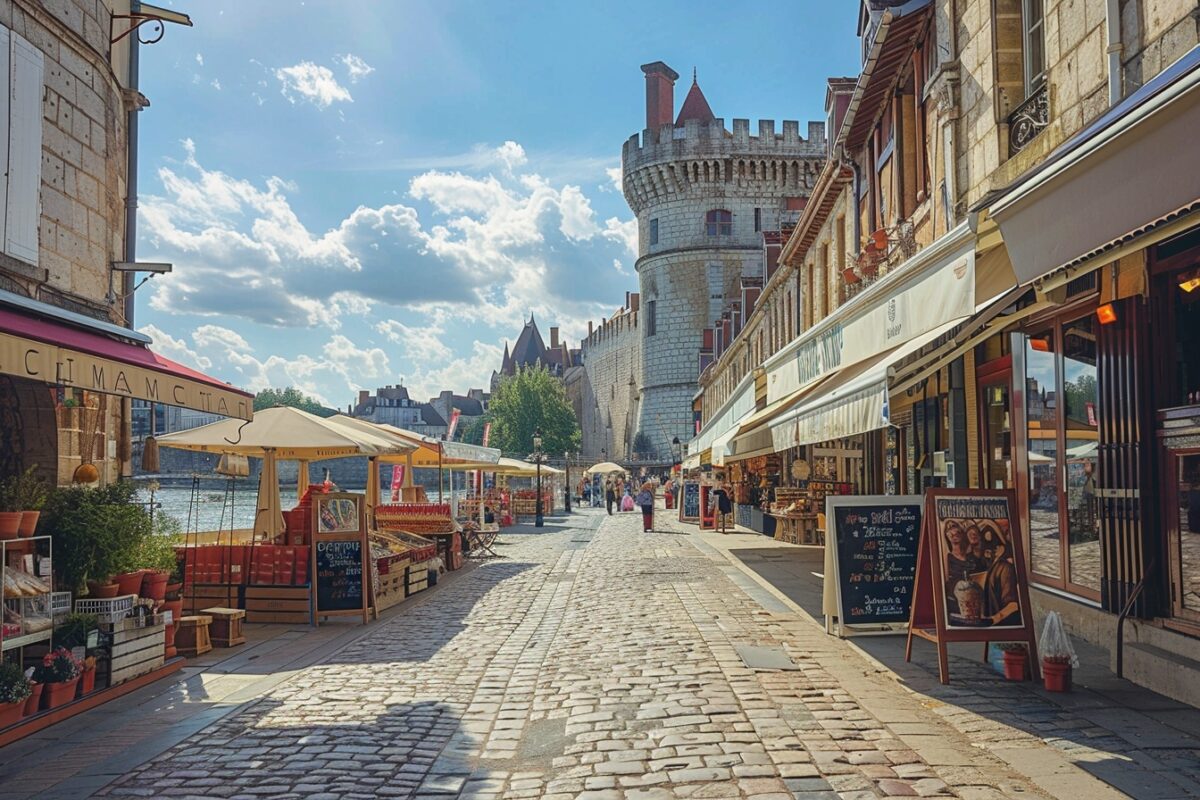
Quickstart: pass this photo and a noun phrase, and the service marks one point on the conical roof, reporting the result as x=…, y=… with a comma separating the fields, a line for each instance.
x=695, y=106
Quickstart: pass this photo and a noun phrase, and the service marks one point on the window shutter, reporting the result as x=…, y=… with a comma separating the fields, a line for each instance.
x=4, y=96
x=22, y=210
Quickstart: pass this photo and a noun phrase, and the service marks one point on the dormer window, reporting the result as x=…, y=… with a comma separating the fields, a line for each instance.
x=719, y=223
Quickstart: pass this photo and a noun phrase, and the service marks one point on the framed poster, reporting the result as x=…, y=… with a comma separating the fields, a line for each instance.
x=340, y=556
x=971, y=584
x=870, y=562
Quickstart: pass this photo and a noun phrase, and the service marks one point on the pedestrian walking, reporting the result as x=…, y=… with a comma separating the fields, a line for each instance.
x=645, y=499
x=627, y=501
x=610, y=495
x=722, y=504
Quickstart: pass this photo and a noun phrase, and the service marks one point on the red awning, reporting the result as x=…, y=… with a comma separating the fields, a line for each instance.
x=39, y=349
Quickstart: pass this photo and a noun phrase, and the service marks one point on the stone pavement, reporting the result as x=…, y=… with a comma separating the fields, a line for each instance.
x=593, y=662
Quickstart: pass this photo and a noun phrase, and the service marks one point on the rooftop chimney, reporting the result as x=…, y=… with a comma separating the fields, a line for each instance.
x=660, y=94
x=363, y=396
x=554, y=338
x=589, y=327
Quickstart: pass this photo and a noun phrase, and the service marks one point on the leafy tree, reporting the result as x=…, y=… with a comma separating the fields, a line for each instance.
x=472, y=432
x=292, y=397
x=532, y=400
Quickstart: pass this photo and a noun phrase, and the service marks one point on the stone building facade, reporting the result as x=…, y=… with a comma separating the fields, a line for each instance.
x=63, y=191
x=604, y=388
x=703, y=195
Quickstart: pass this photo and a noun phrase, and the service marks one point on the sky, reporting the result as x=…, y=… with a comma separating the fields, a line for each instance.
x=362, y=194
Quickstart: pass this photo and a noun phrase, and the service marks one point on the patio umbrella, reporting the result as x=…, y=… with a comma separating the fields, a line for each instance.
x=604, y=468
x=301, y=478
x=268, y=517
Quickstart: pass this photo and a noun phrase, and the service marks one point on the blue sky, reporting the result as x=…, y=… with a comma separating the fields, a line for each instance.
x=356, y=194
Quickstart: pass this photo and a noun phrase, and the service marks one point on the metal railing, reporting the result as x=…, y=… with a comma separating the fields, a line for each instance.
x=1028, y=120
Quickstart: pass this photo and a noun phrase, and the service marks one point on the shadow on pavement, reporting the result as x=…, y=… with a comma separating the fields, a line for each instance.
x=1149, y=745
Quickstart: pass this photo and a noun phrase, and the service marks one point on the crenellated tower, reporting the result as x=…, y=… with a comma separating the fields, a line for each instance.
x=703, y=196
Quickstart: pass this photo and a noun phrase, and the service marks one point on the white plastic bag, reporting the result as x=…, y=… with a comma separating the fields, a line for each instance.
x=1055, y=645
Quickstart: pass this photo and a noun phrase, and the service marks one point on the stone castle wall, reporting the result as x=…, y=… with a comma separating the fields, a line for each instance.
x=610, y=387
x=672, y=178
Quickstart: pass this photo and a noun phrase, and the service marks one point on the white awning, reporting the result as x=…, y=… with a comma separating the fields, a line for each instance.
x=854, y=401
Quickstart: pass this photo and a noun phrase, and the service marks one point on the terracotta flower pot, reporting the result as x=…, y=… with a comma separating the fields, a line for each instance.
x=174, y=589
x=87, y=681
x=154, y=584
x=11, y=713
x=176, y=609
x=10, y=524
x=34, y=701
x=29, y=521
x=58, y=694
x=130, y=583
x=1056, y=677
x=103, y=590
x=1014, y=665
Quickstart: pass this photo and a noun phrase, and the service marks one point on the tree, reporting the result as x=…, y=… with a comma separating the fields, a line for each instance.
x=472, y=432
x=530, y=400
x=642, y=447
x=292, y=397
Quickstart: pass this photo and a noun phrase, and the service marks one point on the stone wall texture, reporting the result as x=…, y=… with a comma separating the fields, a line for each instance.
x=608, y=387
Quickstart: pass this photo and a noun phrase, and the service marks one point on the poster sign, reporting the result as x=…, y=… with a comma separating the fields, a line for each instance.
x=340, y=556
x=871, y=561
x=689, y=508
x=970, y=584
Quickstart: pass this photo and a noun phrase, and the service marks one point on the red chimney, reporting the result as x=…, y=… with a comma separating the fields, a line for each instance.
x=660, y=94
x=554, y=338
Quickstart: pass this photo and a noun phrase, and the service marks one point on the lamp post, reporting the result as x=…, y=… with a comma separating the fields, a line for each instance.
x=567, y=462
x=539, y=519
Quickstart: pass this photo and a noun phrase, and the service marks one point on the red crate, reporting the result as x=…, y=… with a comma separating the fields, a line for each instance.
x=300, y=574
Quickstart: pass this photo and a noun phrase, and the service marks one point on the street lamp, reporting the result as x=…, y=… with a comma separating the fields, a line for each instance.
x=567, y=461
x=539, y=520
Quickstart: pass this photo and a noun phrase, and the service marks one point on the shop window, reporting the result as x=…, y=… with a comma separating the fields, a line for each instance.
x=1062, y=443
x=718, y=223
x=654, y=231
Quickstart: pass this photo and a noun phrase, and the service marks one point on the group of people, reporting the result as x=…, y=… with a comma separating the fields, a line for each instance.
x=618, y=492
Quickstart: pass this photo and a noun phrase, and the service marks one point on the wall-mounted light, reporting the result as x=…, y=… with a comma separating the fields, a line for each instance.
x=1190, y=281
x=1041, y=345
x=1107, y=314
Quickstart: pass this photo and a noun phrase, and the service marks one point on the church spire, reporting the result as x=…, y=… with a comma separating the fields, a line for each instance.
x=695, y=106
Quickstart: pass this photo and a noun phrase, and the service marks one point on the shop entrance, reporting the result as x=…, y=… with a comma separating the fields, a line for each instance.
x=994, y=381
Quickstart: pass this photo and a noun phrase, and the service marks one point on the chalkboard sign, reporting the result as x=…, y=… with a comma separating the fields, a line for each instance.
x=339, y=575
x=689, y=509
x=339, y=556
x=872, y=558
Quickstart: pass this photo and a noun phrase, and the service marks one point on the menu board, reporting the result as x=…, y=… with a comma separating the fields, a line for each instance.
x=689, y=508
x=339, y=575
x=873, y=547
x=339, y=556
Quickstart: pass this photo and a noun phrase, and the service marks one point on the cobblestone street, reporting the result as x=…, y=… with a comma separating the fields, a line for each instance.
x=591, y=661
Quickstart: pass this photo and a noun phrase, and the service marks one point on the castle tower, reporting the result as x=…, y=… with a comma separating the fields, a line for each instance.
x=703, y=197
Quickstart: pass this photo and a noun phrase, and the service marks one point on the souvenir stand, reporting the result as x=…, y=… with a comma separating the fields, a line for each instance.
x=754, y=482
x=266, y=571
x=809, y=474
x=523, y=501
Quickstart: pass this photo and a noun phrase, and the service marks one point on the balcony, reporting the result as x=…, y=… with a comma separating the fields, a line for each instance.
x=1028, y=120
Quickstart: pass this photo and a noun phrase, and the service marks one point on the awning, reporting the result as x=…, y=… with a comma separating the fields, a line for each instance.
x=35, y=346
x=691, y=462
x=933, y=287
x=431, y=452
x=852, y=402
x=1127, y=174
x=757, y=442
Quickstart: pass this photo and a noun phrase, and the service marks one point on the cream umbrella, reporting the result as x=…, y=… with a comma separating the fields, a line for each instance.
x=282, y=432
x=301, y=478
x=268, y=516
x=604, y=468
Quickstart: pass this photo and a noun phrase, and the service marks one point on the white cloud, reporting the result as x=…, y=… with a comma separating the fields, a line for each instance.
x=175, y=349
x=472, y=371
x=200, y=59
x=614, y=177
x=421, y=343
x=313, y=83
x=356, y=68
x=216, y=84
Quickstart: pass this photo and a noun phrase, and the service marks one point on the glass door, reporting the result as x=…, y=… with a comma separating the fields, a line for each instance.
x=995, y=411
x=1184, y=534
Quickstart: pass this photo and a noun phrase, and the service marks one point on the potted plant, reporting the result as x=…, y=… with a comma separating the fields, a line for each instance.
x=14, y=691
x=73, y=630
x=29, y=494
x=59, y=672
x=1058, y=655
x=156, y=554
x=96, y=533
x=1015, y=658
x=10, y=515
x=87, y=676
x=34, y=701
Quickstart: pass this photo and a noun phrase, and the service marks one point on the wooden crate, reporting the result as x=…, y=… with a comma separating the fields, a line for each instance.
x=134, y=651
x=290, y=605
x=207, y=595
x=226, y=628
x=391, y=588
x=416, y=578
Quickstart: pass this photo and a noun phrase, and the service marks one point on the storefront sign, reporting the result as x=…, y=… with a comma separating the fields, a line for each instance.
x=340, y=554
x=60, y=366
x=871, y=560
x=944, y=292
x=970, y=584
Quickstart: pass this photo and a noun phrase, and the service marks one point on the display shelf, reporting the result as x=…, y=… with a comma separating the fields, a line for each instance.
x=28, y=638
